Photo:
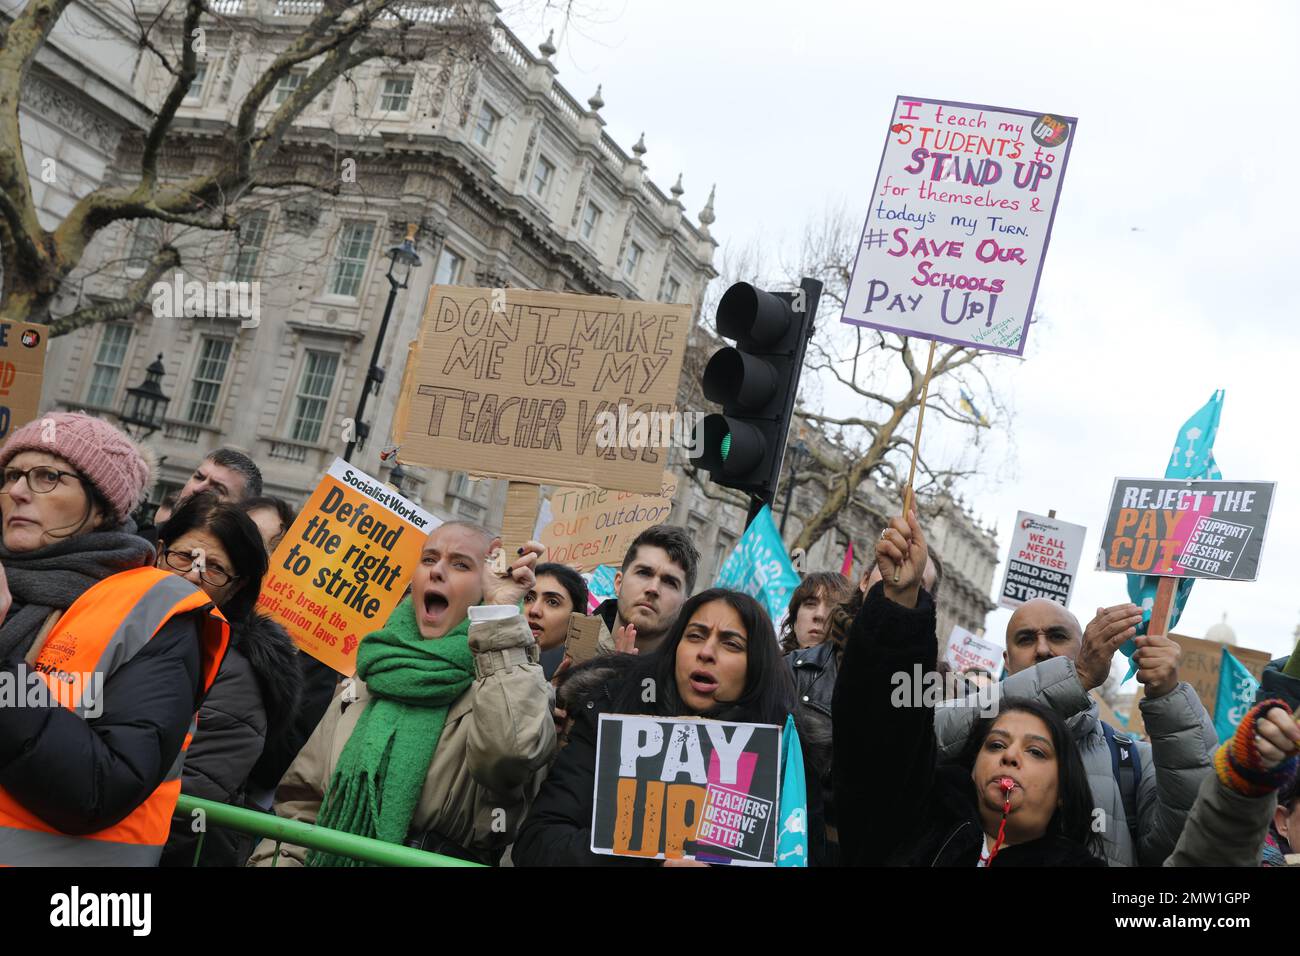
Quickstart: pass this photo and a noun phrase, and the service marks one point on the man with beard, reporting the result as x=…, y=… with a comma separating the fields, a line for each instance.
x=657, y=576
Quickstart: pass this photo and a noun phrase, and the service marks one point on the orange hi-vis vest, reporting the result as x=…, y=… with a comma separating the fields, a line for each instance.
x=100, y=632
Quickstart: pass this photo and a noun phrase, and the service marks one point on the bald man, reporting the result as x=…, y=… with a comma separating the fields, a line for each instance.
x=1051, y=659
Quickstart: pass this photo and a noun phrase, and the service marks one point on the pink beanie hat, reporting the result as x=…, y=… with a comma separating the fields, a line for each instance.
x=101, y=452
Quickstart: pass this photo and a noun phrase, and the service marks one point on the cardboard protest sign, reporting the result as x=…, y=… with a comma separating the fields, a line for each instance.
x=550, y=388
x=961, y=214
x=1195, y=529
x=696, y=789
x=588, y=527
x=344, y=564
x=966, y=650
x=22, y=366
x=760, y=567
x=1043, y=560
x=582, y=642
x=1202, y=660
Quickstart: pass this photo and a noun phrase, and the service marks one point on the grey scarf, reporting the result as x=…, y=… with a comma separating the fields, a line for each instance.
x=51, y=578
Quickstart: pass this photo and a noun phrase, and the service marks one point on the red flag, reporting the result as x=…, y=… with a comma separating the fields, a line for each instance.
x=847, y=568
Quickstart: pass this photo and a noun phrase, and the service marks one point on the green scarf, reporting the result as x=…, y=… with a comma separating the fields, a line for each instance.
x=381, y=771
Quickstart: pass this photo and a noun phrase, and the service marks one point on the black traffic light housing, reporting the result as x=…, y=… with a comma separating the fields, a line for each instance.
x=755, y=383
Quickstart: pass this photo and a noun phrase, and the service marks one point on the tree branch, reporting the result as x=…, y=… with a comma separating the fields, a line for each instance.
x=164, y=260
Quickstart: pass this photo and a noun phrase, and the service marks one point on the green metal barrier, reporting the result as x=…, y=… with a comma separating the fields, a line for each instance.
x=377, y=852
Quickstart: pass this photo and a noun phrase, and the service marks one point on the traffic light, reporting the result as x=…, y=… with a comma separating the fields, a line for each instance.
x=755, y=383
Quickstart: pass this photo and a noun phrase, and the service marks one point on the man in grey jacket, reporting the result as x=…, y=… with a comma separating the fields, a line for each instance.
x=1051, y=659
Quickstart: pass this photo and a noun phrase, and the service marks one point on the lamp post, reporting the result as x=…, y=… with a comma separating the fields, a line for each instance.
x=145, y=403
x=401, y=260
x=798, y=451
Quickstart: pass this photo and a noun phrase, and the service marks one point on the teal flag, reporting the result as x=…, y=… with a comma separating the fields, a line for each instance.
x=760, y=567
x=1192, y=458
x=1237, y=687
x=792, y=843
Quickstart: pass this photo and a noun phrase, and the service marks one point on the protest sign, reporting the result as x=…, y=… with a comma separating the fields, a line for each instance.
x=1201, y=661
x=344, y=564
x=588, y=527
x=600, y=586
x=760, y=567
x=1195, y=529
x=1042, y=561
x=22, y=366
x=961, y=214
x=707, y=790
x=966, y=650
x=544, y=387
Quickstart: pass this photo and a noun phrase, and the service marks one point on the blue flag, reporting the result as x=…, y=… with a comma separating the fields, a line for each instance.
x=792, y=842
x=760, y=567
x=1192, y=458
x=600, y=586
x=1237, y=687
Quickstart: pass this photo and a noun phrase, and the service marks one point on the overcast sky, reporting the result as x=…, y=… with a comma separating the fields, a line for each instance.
x=1172, y=264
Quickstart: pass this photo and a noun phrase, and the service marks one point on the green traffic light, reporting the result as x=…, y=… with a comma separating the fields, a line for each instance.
x=725, y=448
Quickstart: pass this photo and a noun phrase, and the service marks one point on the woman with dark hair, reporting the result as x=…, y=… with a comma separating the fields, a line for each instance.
x=558, y=592
x=256, y=694
x=1018, y=797
x=808, y=618
x=720, y=661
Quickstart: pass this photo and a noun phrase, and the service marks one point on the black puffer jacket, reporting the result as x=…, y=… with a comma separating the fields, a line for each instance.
x=895, y=805
x=253, y=702
x=815, y=670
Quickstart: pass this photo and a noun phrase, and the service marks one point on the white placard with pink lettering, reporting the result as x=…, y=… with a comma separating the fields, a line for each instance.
x=1043, y=560
x=960, y=218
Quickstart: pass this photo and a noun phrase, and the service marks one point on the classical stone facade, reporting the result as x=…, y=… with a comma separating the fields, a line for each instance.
x=510, y=180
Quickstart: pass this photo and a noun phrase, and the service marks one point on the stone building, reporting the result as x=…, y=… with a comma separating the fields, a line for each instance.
x=78, y=101
x=509, y=179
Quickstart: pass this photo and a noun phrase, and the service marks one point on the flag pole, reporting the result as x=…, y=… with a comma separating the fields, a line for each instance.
x=916, y=440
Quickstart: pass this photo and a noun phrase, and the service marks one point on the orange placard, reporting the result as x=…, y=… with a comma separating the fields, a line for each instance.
x=344, y=565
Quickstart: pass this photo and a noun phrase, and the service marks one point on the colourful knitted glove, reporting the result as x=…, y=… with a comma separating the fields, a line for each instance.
x=1237, y=761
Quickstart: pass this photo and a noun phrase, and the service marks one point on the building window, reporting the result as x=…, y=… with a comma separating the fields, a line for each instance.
x=194, y=94
x=396, y=96
x=674, y=287
x=591, y=217
x=109, y=359
x=314, y=388
x=209, y=373
x=486, y=126
x=726, y=545
x=287, y=85
x=449, y=268
x=353, y=254
x=248, y=247
x=542, y=173
x=462, y=493
x=633, y=260
x=145, y=243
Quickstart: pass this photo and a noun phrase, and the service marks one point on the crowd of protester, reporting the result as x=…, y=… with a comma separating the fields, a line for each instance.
x=468, y=731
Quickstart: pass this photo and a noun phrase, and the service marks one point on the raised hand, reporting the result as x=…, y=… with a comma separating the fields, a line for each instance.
x=1277, y=737
x=1103, y=636
x=511, y=587
x=625, y=639
x=901, y=555
x=1157, y=660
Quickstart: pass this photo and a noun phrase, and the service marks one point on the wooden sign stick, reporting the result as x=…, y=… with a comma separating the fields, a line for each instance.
x=1163, y=609
x=523, y=500
x=916, y=440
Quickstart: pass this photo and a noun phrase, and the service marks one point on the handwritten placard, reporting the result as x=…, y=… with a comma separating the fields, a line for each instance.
x=960, y=218
x=551, y=388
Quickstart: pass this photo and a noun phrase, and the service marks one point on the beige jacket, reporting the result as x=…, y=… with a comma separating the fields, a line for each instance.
x=491, y=757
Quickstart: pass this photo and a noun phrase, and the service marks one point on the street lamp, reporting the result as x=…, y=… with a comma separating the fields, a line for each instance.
x=146, y=402
x=401, y=260
x=798, y=452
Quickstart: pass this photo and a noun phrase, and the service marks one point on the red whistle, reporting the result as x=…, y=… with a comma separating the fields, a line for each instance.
x=1007, y=784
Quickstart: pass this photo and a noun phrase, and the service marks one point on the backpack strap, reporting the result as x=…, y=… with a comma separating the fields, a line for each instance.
x=1126, y=765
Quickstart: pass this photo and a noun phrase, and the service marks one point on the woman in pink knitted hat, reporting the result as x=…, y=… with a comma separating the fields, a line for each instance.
x=119, y=654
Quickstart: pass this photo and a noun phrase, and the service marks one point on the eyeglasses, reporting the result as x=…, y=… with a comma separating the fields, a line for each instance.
x=41, y=480
x=183, y=561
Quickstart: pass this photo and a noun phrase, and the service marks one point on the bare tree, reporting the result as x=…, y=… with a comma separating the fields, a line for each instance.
x=337, y=37
x=877, y=378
